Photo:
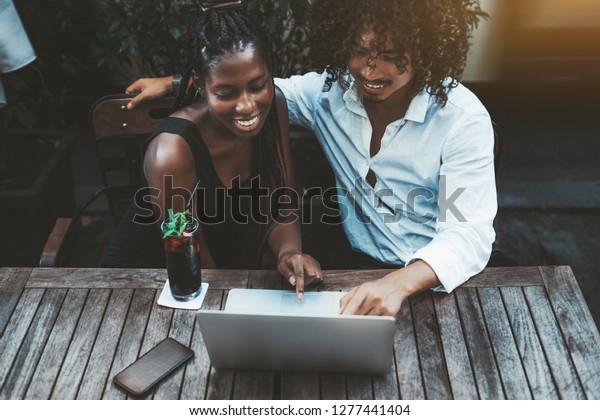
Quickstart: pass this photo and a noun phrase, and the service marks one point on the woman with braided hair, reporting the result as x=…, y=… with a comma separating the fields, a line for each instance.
x=411, y=147
x=229, y=135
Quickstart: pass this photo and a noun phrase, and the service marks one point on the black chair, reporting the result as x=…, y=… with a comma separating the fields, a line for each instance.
x=118, y=136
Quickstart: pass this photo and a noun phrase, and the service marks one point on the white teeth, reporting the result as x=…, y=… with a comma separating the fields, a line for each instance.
x=247, y=123
x=370, y=86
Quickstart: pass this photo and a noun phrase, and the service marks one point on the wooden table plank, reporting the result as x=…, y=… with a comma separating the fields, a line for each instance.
x=125, y=278
x=12, y=281
x=130, y=343
x=506, y=277
x=385, y=387
x=82, y=342
x=157, y=330
x=17, y=381
x=198, y=371
x=51, y=360
x=347, y=279
x=359, y=387
x=103, y=352
x=220, y=381
x=257, y=385
x=481, y=355
x=489, y=277
x=16, y=330
x=333, y=386
x=460, y=372
x=182, y=328
x=508, y=359
x=557, y=354
x=407, y=357
x=96, y=278
x=431, y=353
x=300, y=386
x=531, y=351
x=578, y=327
x=226, y=279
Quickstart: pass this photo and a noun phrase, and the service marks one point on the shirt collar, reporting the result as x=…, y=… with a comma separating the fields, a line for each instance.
x=416, y=110
x=353, y=100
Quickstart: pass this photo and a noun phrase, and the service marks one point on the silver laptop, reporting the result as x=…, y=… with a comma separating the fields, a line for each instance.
x=272, y=330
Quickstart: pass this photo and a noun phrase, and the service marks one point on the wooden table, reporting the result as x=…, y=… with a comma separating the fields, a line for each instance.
x=515, y=333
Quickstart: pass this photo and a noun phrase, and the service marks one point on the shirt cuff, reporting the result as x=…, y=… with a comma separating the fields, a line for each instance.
x=445, y=265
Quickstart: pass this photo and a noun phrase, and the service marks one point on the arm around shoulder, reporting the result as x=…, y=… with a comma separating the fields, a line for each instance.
x=148, y=89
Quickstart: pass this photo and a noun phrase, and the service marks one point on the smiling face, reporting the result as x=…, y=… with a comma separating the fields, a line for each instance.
x=376, y=72
x=239, y=91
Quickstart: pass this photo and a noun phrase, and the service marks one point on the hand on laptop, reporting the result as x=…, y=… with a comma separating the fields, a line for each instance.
x=299, y=269
x=379, y=297
x=385, y=295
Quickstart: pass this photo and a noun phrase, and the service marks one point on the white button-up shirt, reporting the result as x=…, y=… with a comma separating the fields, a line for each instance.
x=15, y=49
x=435, y=196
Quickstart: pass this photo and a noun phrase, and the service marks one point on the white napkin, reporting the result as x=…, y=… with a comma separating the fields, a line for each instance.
x=166, y=298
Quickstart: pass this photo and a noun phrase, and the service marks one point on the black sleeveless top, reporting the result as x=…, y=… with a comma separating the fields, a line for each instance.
x=229, y=219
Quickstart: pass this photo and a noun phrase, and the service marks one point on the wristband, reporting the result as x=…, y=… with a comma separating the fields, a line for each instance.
x=176, y=83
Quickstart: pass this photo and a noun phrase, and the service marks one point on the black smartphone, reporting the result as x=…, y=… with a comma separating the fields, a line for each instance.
x=154, y=366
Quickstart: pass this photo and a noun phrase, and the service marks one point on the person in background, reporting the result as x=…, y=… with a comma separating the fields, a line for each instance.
x=229, y=135
x=15, y=49
x=411, y=147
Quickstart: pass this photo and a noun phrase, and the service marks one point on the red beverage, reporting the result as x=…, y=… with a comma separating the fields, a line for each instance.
x=183, y=263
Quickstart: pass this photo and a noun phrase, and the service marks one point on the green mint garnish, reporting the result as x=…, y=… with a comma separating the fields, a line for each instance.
x=176, y=223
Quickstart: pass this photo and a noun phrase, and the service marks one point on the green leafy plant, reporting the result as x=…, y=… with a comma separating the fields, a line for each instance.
x=176, y=223
x=146, y=38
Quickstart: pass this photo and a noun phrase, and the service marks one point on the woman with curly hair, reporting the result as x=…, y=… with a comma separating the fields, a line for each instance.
x=411, y=148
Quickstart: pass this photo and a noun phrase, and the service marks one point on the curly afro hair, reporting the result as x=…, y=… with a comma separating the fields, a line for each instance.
x=435, y=33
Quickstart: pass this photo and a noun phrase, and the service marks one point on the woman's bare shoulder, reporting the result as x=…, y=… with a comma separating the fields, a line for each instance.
x=168, y=152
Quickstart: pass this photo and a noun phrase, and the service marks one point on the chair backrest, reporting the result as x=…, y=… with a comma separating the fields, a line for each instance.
x=119, y=134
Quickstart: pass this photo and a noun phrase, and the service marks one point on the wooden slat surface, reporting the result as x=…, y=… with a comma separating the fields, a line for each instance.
x=431, y=353
x=385, y=387
x=559, y=360
x=181, y=330
x=228, y=279
x=157, y=330
x=576, y=324
x=489, y=277
x=98, y=367
x=507, y=356
x=106, y=278
x=481, y=354
x=17, y=381
x=58, y=343
x=128, y=349
x=82, y=342
x=460, y=372
x=408, y=367
x=12, y=281
x=507, y=333
x=15, y=333
x=359, y=387
x=530, y=348
x=333, y=386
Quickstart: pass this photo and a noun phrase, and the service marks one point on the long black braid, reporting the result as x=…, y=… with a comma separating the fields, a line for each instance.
x=215, y=33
